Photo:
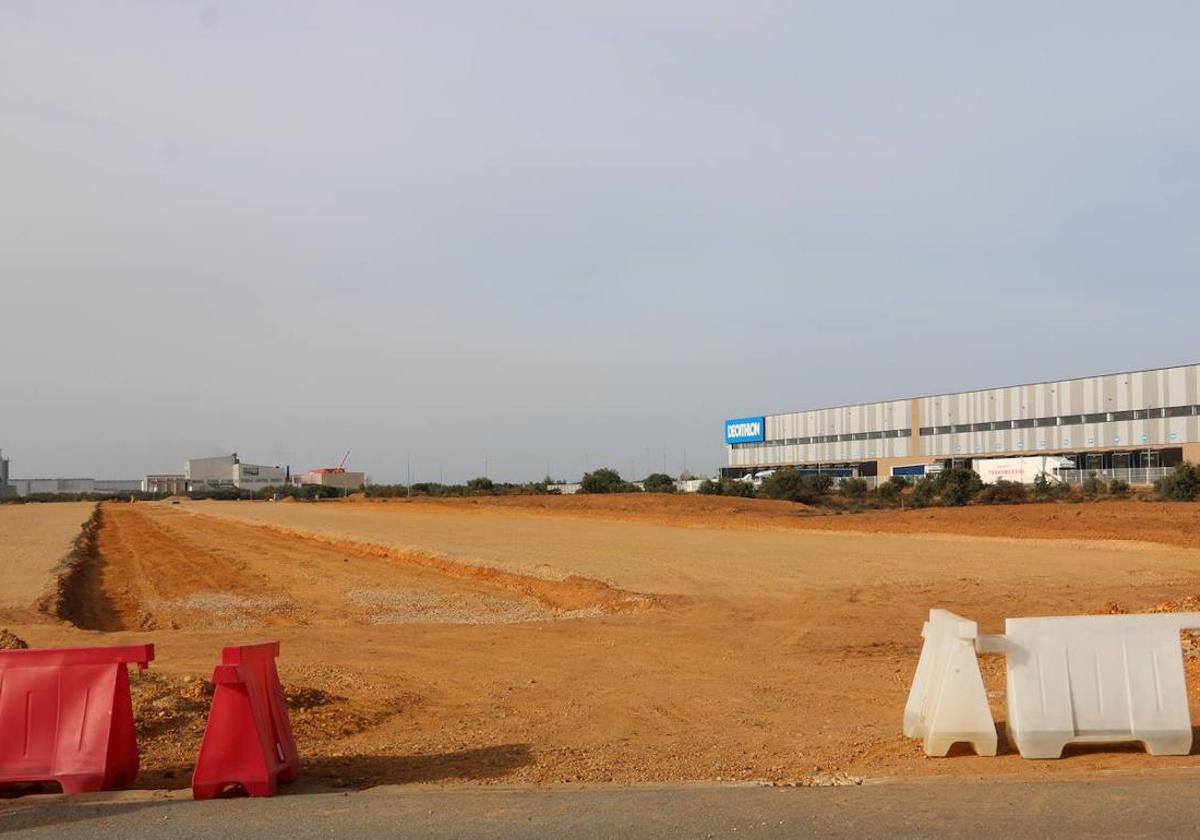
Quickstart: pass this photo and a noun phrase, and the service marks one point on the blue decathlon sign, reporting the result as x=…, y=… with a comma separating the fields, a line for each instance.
x=746, y=430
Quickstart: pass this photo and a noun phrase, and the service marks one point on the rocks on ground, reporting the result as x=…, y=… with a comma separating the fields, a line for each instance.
x=11, y=641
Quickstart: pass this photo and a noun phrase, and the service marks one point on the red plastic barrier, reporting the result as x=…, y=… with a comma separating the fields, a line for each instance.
x=66, y=716
x=248, y=740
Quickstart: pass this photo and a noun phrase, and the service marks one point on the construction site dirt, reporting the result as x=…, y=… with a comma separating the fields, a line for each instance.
x=560, y=639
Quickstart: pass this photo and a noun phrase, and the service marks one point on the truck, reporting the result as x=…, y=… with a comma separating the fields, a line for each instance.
x=1024, y=470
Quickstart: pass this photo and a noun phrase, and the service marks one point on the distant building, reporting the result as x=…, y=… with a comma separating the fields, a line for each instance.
x=6, y=489
x=170, y=484
x=53, y=486
x=228, y=472
x=1138, y=422
x=334, y=477
x=31, y=486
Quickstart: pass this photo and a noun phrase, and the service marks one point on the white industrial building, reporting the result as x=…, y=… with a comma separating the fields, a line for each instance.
x=5, y=488
x=337, y=477
x=1138, y=423
x=25, y=487
x=228, y=472
x=165, y=484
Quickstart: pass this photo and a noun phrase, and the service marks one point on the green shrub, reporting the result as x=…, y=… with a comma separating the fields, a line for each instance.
x=1117, y=487
x=1092, y=486
x=1183, y=485
x=924, y=491
x=728, y=487
x=793, y=486
x=733, y=487
x=603, y=480
x=1003, y=493
x=480, y=485
x=892, y=489
x=659, y=483
x=1044, y=489
x=853, y=488
x=1041, y=487
x=958, y=485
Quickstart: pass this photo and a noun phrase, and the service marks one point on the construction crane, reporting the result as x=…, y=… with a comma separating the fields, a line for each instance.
x=341, y=467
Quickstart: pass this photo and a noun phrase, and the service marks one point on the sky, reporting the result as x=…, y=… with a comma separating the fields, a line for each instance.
x=544, y=237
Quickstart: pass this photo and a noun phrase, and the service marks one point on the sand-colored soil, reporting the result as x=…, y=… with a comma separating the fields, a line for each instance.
x=33, y=540
x=427, y=642
x=1133, y=519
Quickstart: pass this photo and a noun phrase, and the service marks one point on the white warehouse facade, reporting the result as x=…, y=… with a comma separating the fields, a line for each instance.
x=227, y=471
x=1148, y=418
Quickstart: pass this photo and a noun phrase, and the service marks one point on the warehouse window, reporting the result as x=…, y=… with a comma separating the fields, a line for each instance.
x=1101, y=417
x=1121, y=416
x=1047, y=421
x=1024, y=423
x=1181, y=411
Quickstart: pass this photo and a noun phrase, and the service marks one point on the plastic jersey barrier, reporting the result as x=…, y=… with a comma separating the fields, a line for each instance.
x=1095, y=679
x=248, y=741
x=66, y=716
x=947, y=703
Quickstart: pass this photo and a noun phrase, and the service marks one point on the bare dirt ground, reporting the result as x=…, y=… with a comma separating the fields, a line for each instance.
x=1109, y=519
x=514, y=642
x=33, y=540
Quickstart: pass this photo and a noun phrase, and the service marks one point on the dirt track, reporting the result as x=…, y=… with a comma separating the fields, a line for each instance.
x=690, y=652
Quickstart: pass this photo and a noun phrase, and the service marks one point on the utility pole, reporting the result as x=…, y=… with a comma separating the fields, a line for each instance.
x=410, y=476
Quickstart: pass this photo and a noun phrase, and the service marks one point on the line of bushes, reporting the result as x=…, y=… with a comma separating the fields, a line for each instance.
x=34, y=498
x=480, y=486
x=953, y=487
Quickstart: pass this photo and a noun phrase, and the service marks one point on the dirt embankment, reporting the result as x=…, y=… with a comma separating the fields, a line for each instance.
x=151, y=567
x=74, y=593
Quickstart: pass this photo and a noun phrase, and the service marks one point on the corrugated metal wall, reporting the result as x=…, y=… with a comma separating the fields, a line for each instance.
x=1070, y=414
x=790, y=436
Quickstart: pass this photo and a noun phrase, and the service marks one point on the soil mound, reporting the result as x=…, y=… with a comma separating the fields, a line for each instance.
x=11, y=641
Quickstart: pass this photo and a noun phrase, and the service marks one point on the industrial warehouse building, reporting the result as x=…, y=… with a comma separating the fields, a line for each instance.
x=56, y=486
x=333, y=477
x=169, y=484
x=227, y=471
x=1141, y=423
x=6, y=489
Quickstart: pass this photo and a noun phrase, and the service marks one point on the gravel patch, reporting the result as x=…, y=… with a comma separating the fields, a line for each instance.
x=420, y=606
x=226, y=610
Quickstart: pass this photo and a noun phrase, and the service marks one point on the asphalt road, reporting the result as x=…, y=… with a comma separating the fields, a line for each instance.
x=1155, y=804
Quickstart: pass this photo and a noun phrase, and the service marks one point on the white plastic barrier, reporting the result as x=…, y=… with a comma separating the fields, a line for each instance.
x=1095, y=679
x=947, y=704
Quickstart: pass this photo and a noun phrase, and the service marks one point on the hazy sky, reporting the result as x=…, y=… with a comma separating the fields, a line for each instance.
x=539, y=232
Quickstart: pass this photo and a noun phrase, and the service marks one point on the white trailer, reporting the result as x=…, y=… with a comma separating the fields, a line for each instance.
x=1021, y=470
